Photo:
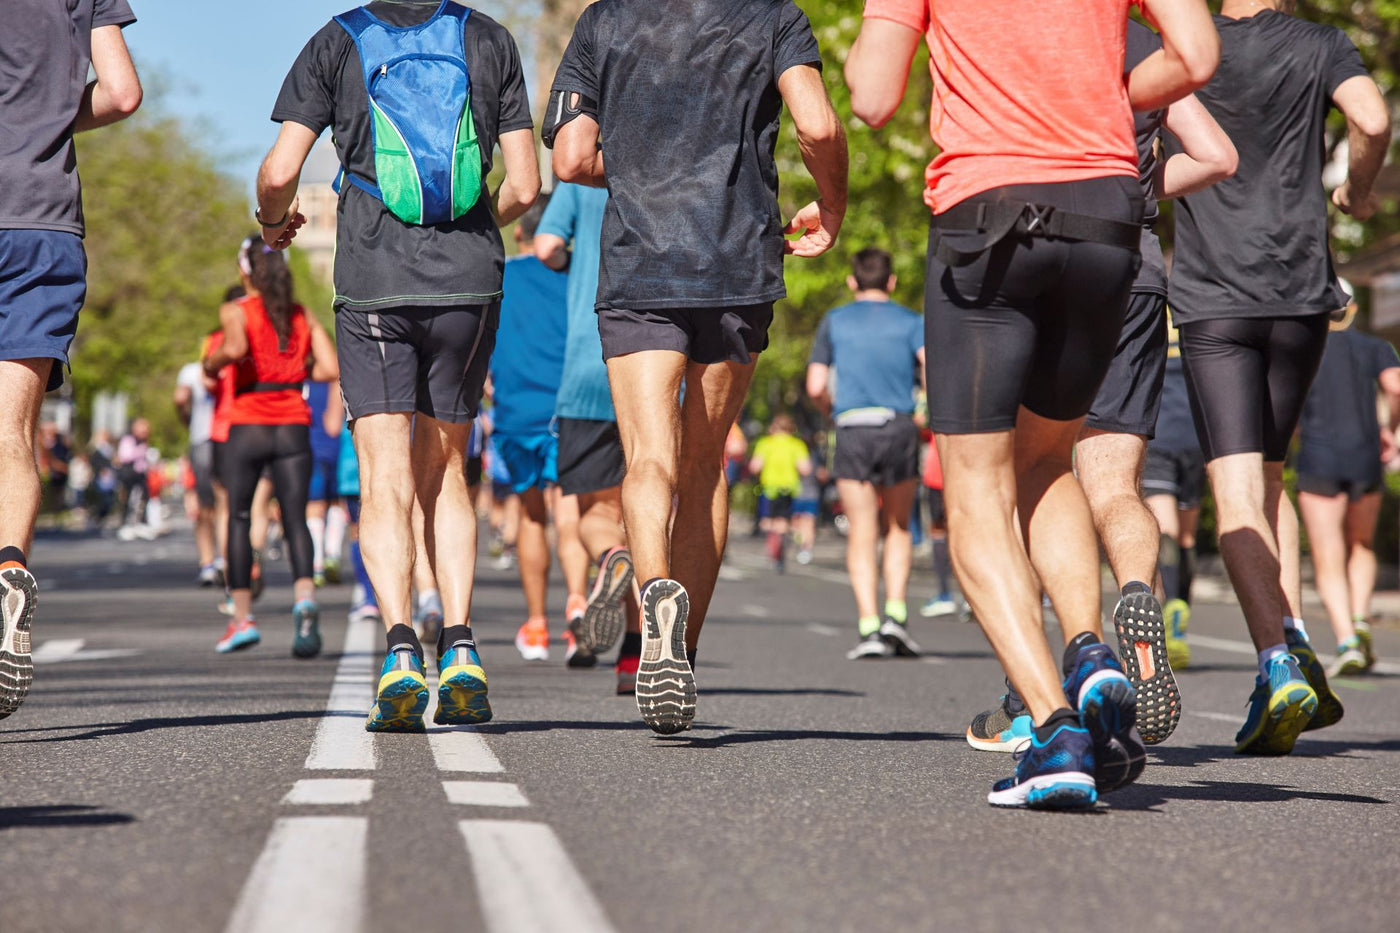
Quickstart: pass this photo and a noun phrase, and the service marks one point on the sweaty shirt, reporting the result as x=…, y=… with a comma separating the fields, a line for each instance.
x=688, y=109
x=873, y=347
x=1023, y=93
x=529, y=354
x=381, y=262
x=1339, y=430
x=1255, y=245
x=780, y=453
x=575, y=214
x=1147, y=126
x=45, y=51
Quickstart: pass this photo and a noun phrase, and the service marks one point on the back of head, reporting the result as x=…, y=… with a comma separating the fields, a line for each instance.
x=782, y=424
x=267, y=269
x=872, y=268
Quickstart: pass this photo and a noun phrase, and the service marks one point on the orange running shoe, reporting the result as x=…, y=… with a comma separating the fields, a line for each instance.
x=532, y=641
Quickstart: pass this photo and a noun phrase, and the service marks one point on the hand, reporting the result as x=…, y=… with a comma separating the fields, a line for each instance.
x=818, y=226
x=1389, y=450
x=1361, y=208
x=281, y=237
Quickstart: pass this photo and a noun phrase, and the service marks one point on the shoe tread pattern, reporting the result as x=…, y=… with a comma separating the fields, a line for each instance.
x=1138, y=618
x=665, y=682
x=604, y=617
x=20, y=594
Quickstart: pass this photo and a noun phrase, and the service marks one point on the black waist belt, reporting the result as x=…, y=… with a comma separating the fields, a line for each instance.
x=1000, y=219
x=266, y=387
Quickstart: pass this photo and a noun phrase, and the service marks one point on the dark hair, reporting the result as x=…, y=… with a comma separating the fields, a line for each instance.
x=872, y=268
x=267, y=269
x=234, y=292
x=530, y=220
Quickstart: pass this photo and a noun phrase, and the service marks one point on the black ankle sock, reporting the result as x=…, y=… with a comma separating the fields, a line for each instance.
x=8, y=554
x=401, y=635
x=631, y=645
x=1080, y=641
x=1060, y=717
x=451, y=635
x=690, y=656
x=1135, y=586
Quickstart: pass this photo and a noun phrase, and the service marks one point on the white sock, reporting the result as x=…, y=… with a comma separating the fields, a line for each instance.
x=1267, y=656
x=1297, y=625
x=317, y=527
x=336, y=518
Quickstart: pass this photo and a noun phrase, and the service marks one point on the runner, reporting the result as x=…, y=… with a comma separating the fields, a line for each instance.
x=877, y=350
x=195, y=405
x=418, y=280
x=325, y=516
x=691, y=266
x=1032, y=252
x=274, y=346
x=941, y=603
x=1341, y=450
x=132, y=462
x=590, y=450
x=780, y=461
x=1252, y=286
x=363, y=604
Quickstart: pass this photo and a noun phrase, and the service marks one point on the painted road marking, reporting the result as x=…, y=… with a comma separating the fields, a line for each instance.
x=484, y=794
x=819, y=628
x=1218, y=717
x=341, y=743
x=309, y=878
x=527, y=881
x=1244, y=647
x=756, y=611
x=312, y=791
x=456, y=748
x=59, y=650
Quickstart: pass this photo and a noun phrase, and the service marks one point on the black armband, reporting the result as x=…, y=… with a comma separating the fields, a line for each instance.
x=563, y=110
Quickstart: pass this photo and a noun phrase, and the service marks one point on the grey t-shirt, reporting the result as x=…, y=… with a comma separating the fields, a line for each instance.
x=45, y=51
x=380, y=261
x=1147, y=126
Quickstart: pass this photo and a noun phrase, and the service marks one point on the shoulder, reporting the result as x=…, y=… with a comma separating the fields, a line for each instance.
x=231, y=312
x=481, y=26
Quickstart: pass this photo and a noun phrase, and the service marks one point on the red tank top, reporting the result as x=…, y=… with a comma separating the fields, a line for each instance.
x=268, y=383
x=223, y=395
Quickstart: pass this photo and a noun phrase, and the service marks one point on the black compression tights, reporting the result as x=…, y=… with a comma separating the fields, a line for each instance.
x=286, y=450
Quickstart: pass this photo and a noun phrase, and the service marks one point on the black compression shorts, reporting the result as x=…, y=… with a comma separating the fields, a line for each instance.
x=704, y=335
x=1247, y=379
x=1131, y=394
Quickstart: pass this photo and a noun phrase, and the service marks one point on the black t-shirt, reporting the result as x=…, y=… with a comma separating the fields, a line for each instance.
x=1147, y=126
x=45, y=51
x=688, y=107
x=1255, y=245
x=1339, y=430
x=380, y=261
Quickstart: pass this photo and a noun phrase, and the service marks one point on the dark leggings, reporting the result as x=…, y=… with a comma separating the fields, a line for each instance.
x=286, y=450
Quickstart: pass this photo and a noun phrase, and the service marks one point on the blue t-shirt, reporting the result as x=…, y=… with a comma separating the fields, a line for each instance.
x=529, y=355
x=873, y=346
x=324, y=448
x=575, y=213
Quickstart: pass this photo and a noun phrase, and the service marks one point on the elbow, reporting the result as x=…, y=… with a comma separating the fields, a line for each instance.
x=279, y=176
x=873, y=109
x=1225, y=163
x=126, y=98
x=528, y=195
x=570, y=168
x=1199, y=62
x=1374, y=124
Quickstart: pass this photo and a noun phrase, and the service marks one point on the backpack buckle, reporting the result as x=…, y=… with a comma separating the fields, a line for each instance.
x=1038, y=217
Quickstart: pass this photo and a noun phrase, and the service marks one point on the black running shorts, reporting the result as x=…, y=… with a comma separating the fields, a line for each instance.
x=1333, y=486
x=1131, y=393
x=1033, y=321
x=427, y=360
x=590, y=456
x=1247, y=379
x=886, y=455
x=1180, y=474
x=202, y=466
x=704, y=335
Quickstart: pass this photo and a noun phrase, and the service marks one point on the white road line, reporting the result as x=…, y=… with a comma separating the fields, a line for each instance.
x=756, y=611
x=341, y=743
x=1244, y=647
x=310, y=878
x=819, y=628
x=57, y=649
x=1218, y=717
x=527, y=881
x=930, y=659
x=456, y=748
x=484, y=794
x=312, y=791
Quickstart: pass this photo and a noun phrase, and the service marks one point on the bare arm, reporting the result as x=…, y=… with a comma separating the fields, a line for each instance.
x=755, y=466
x=921, y=356
x=277, y=183
x=184, y=401
x=116, y=93
x=552, y=250
x=877, y=69
x=521, y=186
x=1368, y=138
x=818, y=379
x=804, y=466
x=577, y=157
x=333, y=418
x=1188, y=57
x=823, y=143
x=235, y=345
x=325, y=366
x=1207, y=154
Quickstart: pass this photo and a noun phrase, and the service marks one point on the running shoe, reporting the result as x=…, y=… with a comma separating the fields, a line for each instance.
x=1142, y=646
x=1005, y=727
x=241, y=633
x=429, y=619
x=225, y=606
x=332, y=572
x=1279, y=710
x=1053, y=775
x=1329, y=706
x=362, y=605
x=532, y=640
x=402, y=695
x=606, y=614
x=896, y=635
x=576, y=656
x=870, y=646
x=208, y=575
x=318, y=579
x=1368, y=645
x=1108, y=708
x=19, y=597
x=626, y=670
x=1350, y=658
x=804, y=556
x=941, y=605
x=665, y=682
x=306, y=629
x=1178, y=616
x=461, y=688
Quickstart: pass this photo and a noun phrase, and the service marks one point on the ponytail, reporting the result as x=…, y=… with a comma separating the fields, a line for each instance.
x=267, y=269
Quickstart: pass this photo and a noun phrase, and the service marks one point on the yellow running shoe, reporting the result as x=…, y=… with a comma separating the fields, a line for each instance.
x=1279, y=710
x=1329, y=705
x=402, y=696
x=1178, y=613
x=1368, y=646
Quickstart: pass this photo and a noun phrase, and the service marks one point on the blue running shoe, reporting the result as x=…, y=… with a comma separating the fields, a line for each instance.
x=1004, y=728
x=1329, y=706
x=1280, y=708
x=1057, y=774
x=461, y=688
x=1107, y=704
x=306, y=629
x=402, y=696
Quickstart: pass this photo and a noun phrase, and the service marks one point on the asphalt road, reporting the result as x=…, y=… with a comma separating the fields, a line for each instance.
x=150, y=784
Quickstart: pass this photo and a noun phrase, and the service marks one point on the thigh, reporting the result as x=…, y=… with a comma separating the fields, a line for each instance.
x=43, y=283
x=729, y=335
x=714, y=394
x=202, y=466
x=1361, y=519
x=291, y=470
x=1131, y=394
x=248, y=451
x=646, y=389
x=454, y=353
x=378, y=363
x=1294, y=353
x=1225, y=367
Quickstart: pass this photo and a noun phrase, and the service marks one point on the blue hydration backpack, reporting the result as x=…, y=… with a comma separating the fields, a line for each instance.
x=426, y=156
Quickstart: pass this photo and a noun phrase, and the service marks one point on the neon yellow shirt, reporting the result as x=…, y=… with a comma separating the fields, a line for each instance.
x=780, y=453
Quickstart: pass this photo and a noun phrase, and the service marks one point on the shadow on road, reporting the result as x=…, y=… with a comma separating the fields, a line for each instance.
x=60, y=815
x=780, y=691
x=1150, y=796
x=795, y=735
x=1190, y=756
x=107, y=729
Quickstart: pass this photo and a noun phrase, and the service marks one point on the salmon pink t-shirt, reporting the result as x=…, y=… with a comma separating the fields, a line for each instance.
x=1024, y=91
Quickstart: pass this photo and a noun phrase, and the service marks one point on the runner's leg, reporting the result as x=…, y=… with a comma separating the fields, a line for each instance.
x=1324, y=517
x=1361, y=554
x=861, y=506
x=22, y=385
x=896, y=505
x=449, y=522
x=1109, y=464
x=382, y=443
x=532, y=551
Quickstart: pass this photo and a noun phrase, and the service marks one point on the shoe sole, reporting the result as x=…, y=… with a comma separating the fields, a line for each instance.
x=1010, y=746
x=532, y=654
x=1348, y=666
x=308, y=645
x=861, y=653
x=1072, y=790
x=21, y=598
x=1329, y=709
x=1108, y=709
x=1142, y=649
x=1290, y=709
x=604, y=617
x=399, y=705
x=462, y=699
x=230, y=647
x=665, y=682
x=899, y=641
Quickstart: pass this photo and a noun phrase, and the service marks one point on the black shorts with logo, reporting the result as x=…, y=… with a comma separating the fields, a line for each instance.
x=1180, y=474
x=590, y=456
x=1131, y=394
x=704, y=335
x=884, y=455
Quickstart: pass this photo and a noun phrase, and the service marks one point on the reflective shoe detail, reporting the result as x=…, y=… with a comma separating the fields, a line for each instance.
x=605, y=615
x=1004, y=728
x=532, y=640
x=943, y=605
x=1177, y=614
x=1350, y=659
x=626, y=670
x=1368, y=645
x=402, y=695
x=871, y=646
x=896, y=635
x=241, y=633
x=1142, y=648
x=1108, y=709
x=1279, y=710
x=1054, y=775
x=462, y=696
x=1329, y=705
x=306, y=629
x=665, y=682
x=19, y=597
